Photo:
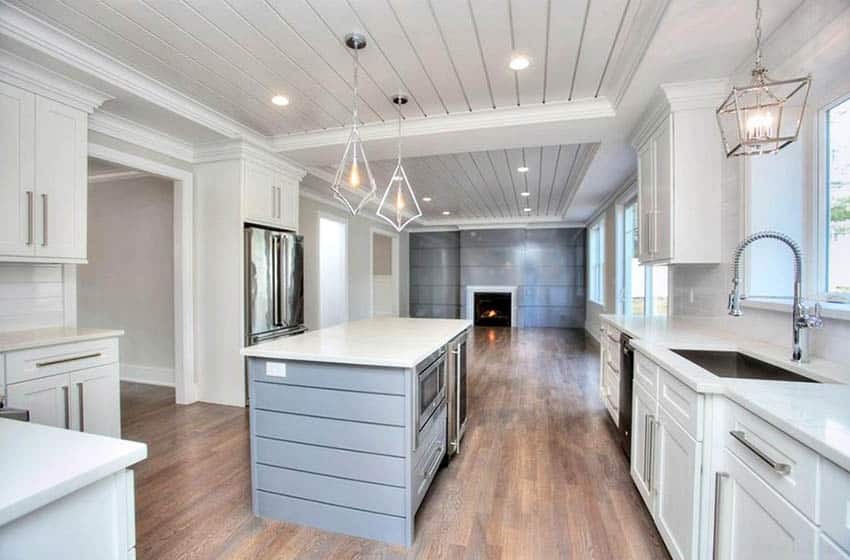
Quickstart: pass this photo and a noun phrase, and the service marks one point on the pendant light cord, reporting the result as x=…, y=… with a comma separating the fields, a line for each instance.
x=398, y=108
x=354, y=115
x=758, y=35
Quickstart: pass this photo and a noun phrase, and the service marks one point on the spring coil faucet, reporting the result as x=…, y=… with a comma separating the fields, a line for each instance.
x=803, y=317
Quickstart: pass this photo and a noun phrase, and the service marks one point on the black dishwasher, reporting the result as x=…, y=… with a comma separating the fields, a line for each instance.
x=627, y=373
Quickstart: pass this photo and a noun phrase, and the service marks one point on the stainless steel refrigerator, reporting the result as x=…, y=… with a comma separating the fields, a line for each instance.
x=274, y=284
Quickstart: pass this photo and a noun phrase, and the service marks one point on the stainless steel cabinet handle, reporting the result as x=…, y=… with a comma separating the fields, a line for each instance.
x=71, y=359
x=650, y=439
x=646, y=451
x=781, y=468
x=29, y=217
x=67, y=394
x=433, y=462
x=82, y=407
x=718, y=483
x=655, y=425
x=44, y=219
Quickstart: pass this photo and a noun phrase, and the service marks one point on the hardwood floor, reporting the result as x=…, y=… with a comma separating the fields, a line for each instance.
x=539, y=475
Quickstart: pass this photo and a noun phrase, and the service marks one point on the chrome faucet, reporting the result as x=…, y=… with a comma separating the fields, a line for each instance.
x=804, y=317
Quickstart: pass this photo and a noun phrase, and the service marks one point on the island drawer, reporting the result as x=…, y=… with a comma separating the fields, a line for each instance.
x=334, y=462
x=339, y=519
x=367, y=496
x=428, y=463
x=342, y=434
x=330, y=403
x=683, y=404
x=646, y=374
x=328, y=376
x=34, y=363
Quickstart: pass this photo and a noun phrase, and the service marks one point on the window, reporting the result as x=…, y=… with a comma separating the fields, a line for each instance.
x=596, y=262
x=838, y=198
x=644, y=288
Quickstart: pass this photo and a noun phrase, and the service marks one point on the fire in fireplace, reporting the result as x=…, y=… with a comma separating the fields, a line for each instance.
x=492, y=309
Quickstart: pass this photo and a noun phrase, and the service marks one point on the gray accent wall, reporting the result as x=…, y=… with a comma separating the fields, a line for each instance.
x=547, y=266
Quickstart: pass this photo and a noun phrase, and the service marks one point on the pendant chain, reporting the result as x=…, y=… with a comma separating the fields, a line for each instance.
x=398, y=108
x=758, y=35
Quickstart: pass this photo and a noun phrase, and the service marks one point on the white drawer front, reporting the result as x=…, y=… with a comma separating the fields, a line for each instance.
x=835, y=503
x=646, y=374
x=24, y=365
x=613, y=353
x=764, y=444
x=612, y=393
x=683, y=404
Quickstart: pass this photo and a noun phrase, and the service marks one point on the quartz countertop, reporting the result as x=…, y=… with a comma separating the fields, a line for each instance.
x=41, y=464
x=816, y=414
x=35, y=338
x=381, y=341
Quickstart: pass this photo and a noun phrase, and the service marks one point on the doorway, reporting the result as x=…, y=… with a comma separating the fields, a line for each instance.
x=333, y=271
x=383, y=275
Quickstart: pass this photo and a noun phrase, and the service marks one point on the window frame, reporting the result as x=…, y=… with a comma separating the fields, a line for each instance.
x=595, y=276
x=628, y=198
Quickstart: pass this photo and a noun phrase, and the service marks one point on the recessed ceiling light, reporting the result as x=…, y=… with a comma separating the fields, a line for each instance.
x=519, y=62
x=525, y=194
x=446, y=213
x=280, y=100
x=526, y=209
x=426, y=199
x=522, y=169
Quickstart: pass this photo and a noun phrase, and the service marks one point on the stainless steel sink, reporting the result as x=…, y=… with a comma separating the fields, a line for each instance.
x=737, y=365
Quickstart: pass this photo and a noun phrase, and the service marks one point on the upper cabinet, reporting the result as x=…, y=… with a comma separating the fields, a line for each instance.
x=269, y=197
x=43, y=169
x=679, y=175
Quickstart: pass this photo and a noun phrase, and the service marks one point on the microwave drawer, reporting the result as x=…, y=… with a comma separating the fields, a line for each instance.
x=428, y=458
x=430, y=432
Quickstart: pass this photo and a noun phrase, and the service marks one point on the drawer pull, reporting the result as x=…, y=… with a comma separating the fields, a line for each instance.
x=433, y=462
x=719, y=477
x=71, y=359
x=781, y=468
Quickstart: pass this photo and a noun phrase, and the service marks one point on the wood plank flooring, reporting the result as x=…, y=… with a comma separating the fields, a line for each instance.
x=540, y=474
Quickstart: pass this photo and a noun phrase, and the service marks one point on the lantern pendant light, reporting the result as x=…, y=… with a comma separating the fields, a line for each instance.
x=354, y=185
x=399, y=206
x=764, y=116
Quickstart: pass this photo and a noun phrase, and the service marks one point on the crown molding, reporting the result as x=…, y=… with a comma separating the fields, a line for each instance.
x=586, y=153
x=39, y=35
x=47, y=83
x=525, y=115
x=134, y=133
x=248, y=151
x=111, y=176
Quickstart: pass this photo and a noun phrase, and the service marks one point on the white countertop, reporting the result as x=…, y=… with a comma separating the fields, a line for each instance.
x=41, y=464
x=816, y=414
x=381, y=341
x=24, y=340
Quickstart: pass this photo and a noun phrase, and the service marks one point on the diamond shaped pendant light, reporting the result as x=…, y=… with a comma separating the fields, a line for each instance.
x=764, y=116
x=354, y=184
x=399, y=206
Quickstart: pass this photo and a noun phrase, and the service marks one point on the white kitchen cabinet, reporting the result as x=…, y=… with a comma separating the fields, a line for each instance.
x=43, y=146
x=644, y=416
x=269, y=198
x=754, y=521
x=676, y=483
x=679, y=174
x=48, y=400
x=94, y=392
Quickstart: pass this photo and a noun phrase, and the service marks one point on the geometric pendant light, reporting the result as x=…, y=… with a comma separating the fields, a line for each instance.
x=354, y=184
x=399, y=206
x=763, y=116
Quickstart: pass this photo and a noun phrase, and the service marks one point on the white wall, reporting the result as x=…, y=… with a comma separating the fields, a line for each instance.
x=128, y=282
x=359, y=239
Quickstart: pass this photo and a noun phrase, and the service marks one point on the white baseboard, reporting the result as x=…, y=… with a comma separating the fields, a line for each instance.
x=148, y=375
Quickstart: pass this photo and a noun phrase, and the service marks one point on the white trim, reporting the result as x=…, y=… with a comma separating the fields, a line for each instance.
x=395, y=269
x=47, y=83
x=839, y=311
x=110, y=176
x=246, y=150
x=531, y=222
x=586, y=154
x=470, y=300
x=554, y=112
x=184, y=286
x=345, y=281
x=628, y=184
x=147, y=375
x=134, y=133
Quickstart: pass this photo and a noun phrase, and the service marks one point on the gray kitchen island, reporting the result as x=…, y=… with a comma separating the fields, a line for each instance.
x=348, y=424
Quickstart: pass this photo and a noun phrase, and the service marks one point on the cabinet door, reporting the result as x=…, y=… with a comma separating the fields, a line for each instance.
x=643, y=421
x=603, y=385
x=662, y=218
x=96, y=400
x=287, y=203
x=61, y=180
x=17, y=167
x=754, y=521
x=48, y=400
x=645, y=201
x=260, y=197
x=676, y=476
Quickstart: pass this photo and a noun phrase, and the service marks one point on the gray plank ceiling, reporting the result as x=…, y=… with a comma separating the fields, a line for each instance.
x=486, y=185
x=450, y=56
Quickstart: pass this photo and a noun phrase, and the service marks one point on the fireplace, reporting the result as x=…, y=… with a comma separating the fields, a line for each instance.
x=492, y=309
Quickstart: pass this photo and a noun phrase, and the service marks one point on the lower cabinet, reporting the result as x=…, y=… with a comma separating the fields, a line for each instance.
x=48, y=400
x=644, y=411
x=753, y=521
x=94, y=394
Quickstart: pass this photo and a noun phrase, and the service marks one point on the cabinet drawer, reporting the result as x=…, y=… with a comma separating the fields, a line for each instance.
x=835, y=503
x=646, y=374
x=24, y=365
x=430, y=434
x=612, y=391
x=427, y=465
x=613, y=353
x=766, y=443
x=681, y=403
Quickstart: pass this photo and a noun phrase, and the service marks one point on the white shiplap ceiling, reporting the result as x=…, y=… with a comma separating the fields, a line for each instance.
x=450, y=56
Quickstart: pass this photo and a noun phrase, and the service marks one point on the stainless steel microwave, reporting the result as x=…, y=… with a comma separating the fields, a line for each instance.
x=430, y=387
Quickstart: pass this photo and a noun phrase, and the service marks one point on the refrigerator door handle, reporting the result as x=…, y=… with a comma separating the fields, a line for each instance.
x=275, y=249
x=283, y=271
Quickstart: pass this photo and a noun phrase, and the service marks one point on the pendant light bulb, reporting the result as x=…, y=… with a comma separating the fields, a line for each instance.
x=354, y=174
x=399, y=206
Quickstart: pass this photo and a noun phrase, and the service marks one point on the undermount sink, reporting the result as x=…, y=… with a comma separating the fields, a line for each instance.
x=740, y=366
